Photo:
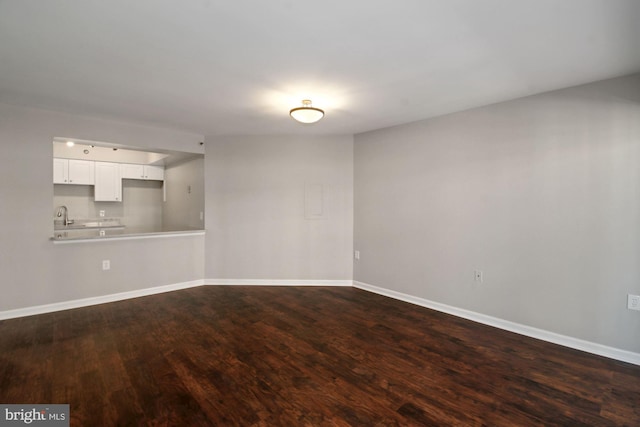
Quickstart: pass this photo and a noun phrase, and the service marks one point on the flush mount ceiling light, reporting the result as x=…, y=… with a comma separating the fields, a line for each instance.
x=306, y=113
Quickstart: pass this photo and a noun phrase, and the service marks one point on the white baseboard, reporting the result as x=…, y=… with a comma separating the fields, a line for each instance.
x=541, y=334
x=84, y=302
x=261, y=282
x=575, y=343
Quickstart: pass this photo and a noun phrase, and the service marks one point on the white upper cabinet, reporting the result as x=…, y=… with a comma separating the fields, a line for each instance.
x=154, y=172
x=81, y=172
x=108, y=182
x=60, y=171
x=67, y=171
x=106, y=176
x=131, y=171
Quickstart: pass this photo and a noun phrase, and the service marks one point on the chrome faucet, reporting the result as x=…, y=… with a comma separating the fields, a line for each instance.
x=66, y=220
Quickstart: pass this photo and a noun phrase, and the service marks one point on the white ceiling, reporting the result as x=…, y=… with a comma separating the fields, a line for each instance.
x=238, y=66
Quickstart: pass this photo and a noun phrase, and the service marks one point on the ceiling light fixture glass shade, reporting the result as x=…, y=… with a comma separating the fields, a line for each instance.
x=306, y=113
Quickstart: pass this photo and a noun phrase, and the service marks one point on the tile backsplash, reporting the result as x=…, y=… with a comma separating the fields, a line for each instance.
x=141, y=206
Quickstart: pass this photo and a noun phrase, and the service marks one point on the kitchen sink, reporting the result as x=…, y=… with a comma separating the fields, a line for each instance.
x=89, y=224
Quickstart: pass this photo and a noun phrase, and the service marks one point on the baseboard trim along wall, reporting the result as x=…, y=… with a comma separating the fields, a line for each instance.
x=264, y=282
x=84, y=302
x=541, y=334
x=575, y=343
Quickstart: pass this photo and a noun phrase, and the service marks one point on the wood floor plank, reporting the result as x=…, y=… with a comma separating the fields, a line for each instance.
x=308, y=356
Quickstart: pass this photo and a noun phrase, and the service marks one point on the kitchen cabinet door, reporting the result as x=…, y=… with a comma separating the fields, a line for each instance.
x=81, y=172
x=131, y=171
x=108, y=182
x=69, y=171
x=60, y=171
x=154, y=172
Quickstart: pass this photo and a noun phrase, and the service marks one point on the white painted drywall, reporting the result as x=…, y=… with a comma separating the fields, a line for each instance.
x=184, y=182
x=34, y=271
x=541, y=193
x=255, y=207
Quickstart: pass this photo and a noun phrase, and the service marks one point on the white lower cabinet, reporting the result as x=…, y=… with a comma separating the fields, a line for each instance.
x=108, y=182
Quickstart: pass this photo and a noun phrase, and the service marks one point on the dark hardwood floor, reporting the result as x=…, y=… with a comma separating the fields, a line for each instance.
x=283, y=356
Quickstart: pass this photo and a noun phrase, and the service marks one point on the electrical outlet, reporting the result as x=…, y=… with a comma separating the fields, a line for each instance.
x=356, y=254
x=102, y=214
x=106, y=264
x=633, y=302
x=477, y=274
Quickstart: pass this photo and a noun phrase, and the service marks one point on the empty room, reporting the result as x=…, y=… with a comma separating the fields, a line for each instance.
x=287, y=213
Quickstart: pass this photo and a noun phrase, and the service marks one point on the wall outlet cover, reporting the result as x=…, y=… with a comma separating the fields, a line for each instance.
x=477, y=275
x=633, y=302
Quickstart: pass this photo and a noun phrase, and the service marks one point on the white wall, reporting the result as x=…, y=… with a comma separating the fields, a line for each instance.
x=541, y=193
x=184, y=183
x=34, y=271
x=255, y=208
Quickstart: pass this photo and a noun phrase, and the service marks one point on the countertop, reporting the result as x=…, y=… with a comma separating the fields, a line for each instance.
x=115, y=232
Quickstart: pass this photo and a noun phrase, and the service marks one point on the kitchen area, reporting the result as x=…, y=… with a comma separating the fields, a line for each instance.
x=104, y=190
